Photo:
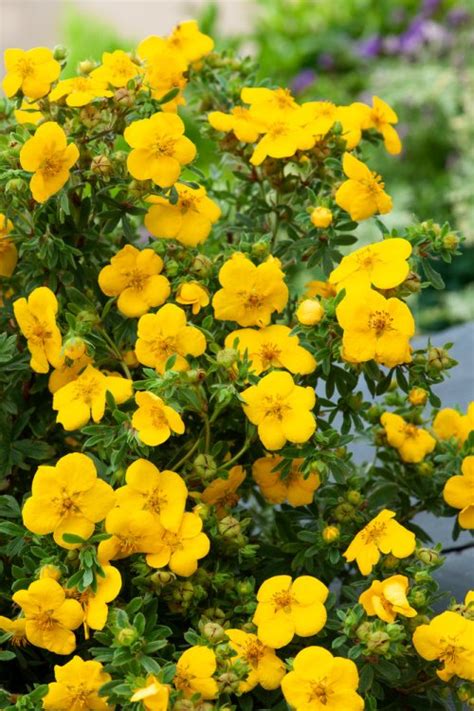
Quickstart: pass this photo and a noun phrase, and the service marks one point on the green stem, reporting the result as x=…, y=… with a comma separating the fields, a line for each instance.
x=241, y=451
x=116, y=353
x=186, y=456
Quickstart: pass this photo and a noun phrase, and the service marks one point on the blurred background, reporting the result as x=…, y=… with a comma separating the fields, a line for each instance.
x=416, y=54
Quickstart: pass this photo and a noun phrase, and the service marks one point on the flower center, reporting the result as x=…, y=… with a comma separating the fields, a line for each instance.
x=81, y=84
x=66, y=505
x=45, y=620
x=254, y=652
x=283, y=600
x=373, y=184
x=319, y=692
x=269, y=353
x=52, y=165
x=182, y=682
x=373, y=532
x=187, y=202
x=172, y=540
x=155, y=500
x=158, y=417
x=128, y=543
x=164, y=346
x=451, y=652
x=25, y=67
x=380, y=321
x=411, y=431
x=164, y=147
x=87, y=390
x=252, y=300
x=275, y=407
x=136, y=279
x=121, y=67
x=279, y=129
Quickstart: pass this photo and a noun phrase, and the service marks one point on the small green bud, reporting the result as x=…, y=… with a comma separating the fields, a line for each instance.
x=101, y=165
x=228, y=683
x=126, y=636
x=124, y=97
x=227, y=357
x=162, y=577
x=86, y=66
x=451, y=242
x=15, y=186
x=229, y=527
x=438, y=359
x=428, y=556
x=213, y=632
x=330, y=533
x=425, y=468
x=201, y=266
x=344, y=512
x=364, y=630
x=390, y=562
x=205, y=466
x=378, y=642
x=260, y=249
x=418, y=597
x=354, y=497
x=59, y=52
x=172, y=267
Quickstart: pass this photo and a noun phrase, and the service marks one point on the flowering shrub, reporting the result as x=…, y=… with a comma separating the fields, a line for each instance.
x=183, y=522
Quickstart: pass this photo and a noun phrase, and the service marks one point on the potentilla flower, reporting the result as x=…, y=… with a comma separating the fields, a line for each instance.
x=165, y=69
x=450, y=423
x=381, y=117
x=49, y=157
x=321, y=682
x=280, y=409
x=319, y=288
x=94, y=604
x=383, y=264
x=135, y=277
x=287, y=607
x=154, y=421
x=166, y=334
x=80, y=91
x=250, y=293
x=117, y=69
x=309, y=312
x=50, y=617
x=37, y=321
x=381, y=535
x=449, y=639
x=413, y=443
x=132, y=531
x=222, y=493
x=272, y=347
x=277, y=103
x=181, y=550
x=387, y=599
x=417, y=396
x=154, y=696
x=28, y=113
x=362, y=195
x=295, y=488
x=265, y=668
x=352, y=119
x=458, y=492
x=32, y=71
x=191, y=293
x=320, y=117
x=67, y=498
x=190, y=41
x=67, y=372
x=159, y=148
x=16, y=629
x=375, y=328
x=243, y=124
x=282, y=138
x=77, y=687
x=321, y=217
x=85, y=397
x=189, y=220
x=194, y=670
x=161, y=493
x=8, y=251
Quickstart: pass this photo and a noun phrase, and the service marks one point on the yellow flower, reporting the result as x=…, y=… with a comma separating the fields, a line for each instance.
x=154, y=696
x=413, y=443
x=194, y=670
x=362, y=195
x=458, y=492
x=117, y=69
x=159, y=148
x=165, y=69
x=182, y=549
x=50, y=618
x=8, y=251
x=309, y=312
x=321, y=116
x=155, y=421
x=49, y=157
x=162, y=494
x=244, y=125
x=381, y=535
x=67, y=372
x=74, y=348
x=67, y=498
x=265, y=668
x=15, y=628
x=387, y=598
x=381, y=117
x=222, y=493
x=280, y=409
x=166, y=334
x=383, y=264
x=131, y=532
x=84, y=397
x=28, y=113
x=450, y=423
x=287, y=607
x=321, y=217
x=352, y=118
x=250, y=294
x=32, y=71
x=295, y=488
x=80, y=91
x=272, y=347
x=283, y=137
x=189, y=41
x=95, y=603
x=77, y=687
x=375, y=328
x=321, y=682
x=191, y=293
x=319, y=288
x=448, y=638
x=134, y=276
x=277, y=103
x=189, y=220
x=417, y=396
x=37, y=321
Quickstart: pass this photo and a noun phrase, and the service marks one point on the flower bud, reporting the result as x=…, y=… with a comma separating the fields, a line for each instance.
x=15, y=186
x=162, y=577
x=228, y=682
x=354, y=497
x=364, y=630
x=344, y=512
x=390, y=562
x=124, y=97
x=130, y=359
x=428, y=556
x=451, y=242
x=438, y=359
x=59, y=52
x=412, y=283
x=425, y=468
x=89, y=115
x=195, y=375
x=205, y=466
x=244, y=588
x=101, y=165
x=88, y=318
x=214, y=613
x=86, y=66
x=201, y=266
x=309, y=312
x=49, y=571
x=213, y=632
x=422, y=576
x=172, y=267
x=229, y=527
x=355, y=401
x=321, y=217
x=378, y=642
x=330, y=533
x=126, y=636
x=227, y=357
x=417, y=597
x=465, y=693
x=74, y=347
x=260, y=249
x=418, y=396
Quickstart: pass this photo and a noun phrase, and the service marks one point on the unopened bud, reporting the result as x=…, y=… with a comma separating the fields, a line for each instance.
x=101, y=165
x=428, y=556
x=321, y=217
x=438, y=359
x=86, y=66
x=74, y=347
x=418, y=597
x=229, y=527
x=309, y=312
x=451, y=242
x=49, y=571
x=425, y=468
x=418, y=396
x=412, y=283
x=59, y=53
x=229, y=683
x=378, y=642
x=227, y=357
x=201, y=266
x=364, y=630
x=354, y=497
x=162, y=577
x=260, y=249
x=126, y=636
x=344, y=512
x=205, y=466
x=330, y=533
x=124, y=97
x=213, y=632
x=390, y=562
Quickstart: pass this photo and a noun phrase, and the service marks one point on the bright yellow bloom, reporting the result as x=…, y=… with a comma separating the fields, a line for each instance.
x=448, y=638
x=321, y=116
x=319, y=288
x=375, y=328
x=189, y=221
x=67, y=498
x=287, y=607
x=32, y=71
x=280, y=409
x=95, y=603
x=309, y=312
x=387, y=598
x=154, y=696
x=8, y=251
x=191, y=293
x=189, y=41
x=182, y=549
x=74, y=348
x=362, y=195
x=265, y=668
x=84, y=397
x=250, y=294
x=77, y=687
x=283, y=137
x=159, y=148
x=381, y=535
x=165, y=69
x=37, y=321
x=277, y=103
x=352, y=118
x=222, y=493
x=244, y=125
x=117, y=69
x=383, y=264
x=155, y=421
x=166, y=334
x=321, y=682
x=80, y=91
x=28, y=113
x=321, y=217
x=413, y=443
x=134, y=276
x=296, y=488
x=450, y=423
x=50, y=571
x=272, y=347
x=458, y=492
x=381, y=117
x=50, y=618
x=66, y=373
x=194, y=670
x=417, y=396
x=49, y=157
x=131, y=532
x=15, y=628
x=162, y=494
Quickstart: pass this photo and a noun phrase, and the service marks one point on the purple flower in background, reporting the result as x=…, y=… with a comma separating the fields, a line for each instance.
x=303, y=80
x=458, y=16
x=429, y=7
x=370, y=47
x=326, y=61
